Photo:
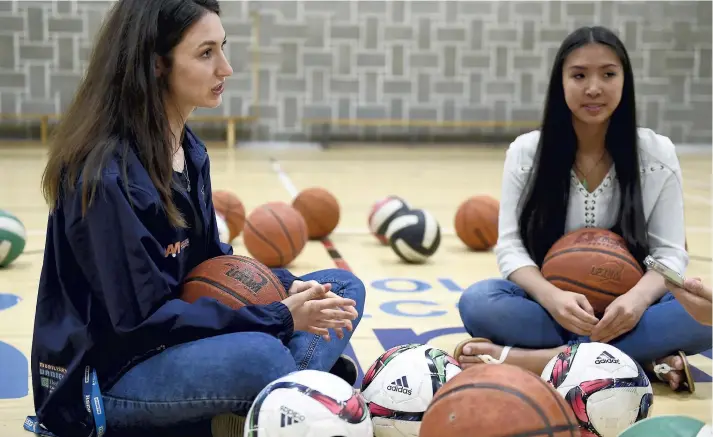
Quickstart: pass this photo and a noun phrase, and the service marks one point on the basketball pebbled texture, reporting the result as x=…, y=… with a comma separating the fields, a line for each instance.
x=275, y=234
x=593, y=262
x=233, y=280
x=476, y=222
x=498, y=401
x=320, y=209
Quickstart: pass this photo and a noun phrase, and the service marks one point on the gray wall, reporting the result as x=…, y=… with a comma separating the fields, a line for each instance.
x=433, y=60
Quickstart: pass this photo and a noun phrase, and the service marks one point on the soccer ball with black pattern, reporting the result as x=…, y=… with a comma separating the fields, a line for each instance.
x=308, y=403
x=400, y=384
x=607, y=390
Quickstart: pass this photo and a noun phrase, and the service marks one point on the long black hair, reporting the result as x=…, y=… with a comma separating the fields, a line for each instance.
x=544, y=203
x=121, y=97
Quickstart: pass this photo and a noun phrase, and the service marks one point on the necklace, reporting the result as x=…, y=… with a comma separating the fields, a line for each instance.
x=184, y=173
x=585, y=176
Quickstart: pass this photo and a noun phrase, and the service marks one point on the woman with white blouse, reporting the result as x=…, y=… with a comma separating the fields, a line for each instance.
x=588, y=166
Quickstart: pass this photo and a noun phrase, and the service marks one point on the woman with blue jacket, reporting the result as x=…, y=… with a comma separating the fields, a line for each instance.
x=114, y=348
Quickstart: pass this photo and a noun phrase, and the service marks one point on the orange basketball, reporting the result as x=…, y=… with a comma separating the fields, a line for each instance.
x=498, y=400
x=233, y=280
x=476, y=222
x=320, y=210
x=275, y=233
x=231, y=209
x=593, y=262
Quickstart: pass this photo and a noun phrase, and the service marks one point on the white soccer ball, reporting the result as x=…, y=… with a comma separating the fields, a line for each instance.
x=308, y=403
x=223, y=230
x=400, y=385
x=606, y=388
x=414, y=236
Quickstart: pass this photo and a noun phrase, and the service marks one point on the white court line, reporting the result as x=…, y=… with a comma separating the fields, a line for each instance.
x=286, y=181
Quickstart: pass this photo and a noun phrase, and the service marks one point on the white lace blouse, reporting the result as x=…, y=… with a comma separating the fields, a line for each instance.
x=662, y=189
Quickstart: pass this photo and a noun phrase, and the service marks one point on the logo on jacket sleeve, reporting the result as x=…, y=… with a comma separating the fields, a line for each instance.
x=176, y=248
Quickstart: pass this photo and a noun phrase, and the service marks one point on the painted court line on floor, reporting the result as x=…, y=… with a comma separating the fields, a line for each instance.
x=337, y=258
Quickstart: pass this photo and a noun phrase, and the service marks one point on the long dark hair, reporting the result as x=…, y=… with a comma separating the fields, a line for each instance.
x=121, y=100
x=544, y=204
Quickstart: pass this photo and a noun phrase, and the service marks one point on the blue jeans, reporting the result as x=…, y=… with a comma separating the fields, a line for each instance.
x=178, y=391
x=502, y=312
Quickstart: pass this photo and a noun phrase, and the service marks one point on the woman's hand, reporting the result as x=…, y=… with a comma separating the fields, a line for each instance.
x=300, y=286
x=315, y=309
x=620, y=317
x=695, y=297
x=572, y=311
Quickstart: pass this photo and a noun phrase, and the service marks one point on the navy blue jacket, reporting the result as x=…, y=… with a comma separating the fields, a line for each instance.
x=108, y=292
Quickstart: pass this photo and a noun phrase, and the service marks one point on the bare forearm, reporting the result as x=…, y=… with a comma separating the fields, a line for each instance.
x=650, y=288
x=532, y=281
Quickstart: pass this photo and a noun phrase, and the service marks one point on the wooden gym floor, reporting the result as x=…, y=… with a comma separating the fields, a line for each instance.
x=404, y=303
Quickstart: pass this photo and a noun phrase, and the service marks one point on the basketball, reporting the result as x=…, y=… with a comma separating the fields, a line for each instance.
x=476, y=222
x=12, y=238
x=275, y=234
x=233, y=280
x=231, y=208
x=320, y=210
x=414, y=236
x=593, y=262
x=382, y=213
x=498, y=401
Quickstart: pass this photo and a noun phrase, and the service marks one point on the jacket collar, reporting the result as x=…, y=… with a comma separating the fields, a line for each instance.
x=196, y=150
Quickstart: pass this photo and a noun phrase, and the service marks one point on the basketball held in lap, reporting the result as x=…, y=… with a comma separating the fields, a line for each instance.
x=233, y=280
x=592, y=262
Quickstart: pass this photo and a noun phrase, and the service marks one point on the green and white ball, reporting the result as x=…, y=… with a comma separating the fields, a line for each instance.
x=12, y=238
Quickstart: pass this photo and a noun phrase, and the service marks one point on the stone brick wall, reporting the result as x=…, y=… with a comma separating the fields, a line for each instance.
x=433, y=60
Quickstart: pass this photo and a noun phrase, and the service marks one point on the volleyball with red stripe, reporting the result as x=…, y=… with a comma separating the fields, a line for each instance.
x=382, y=213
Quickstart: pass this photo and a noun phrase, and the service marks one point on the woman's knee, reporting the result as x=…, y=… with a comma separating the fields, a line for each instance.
x=256, y=357
x=479, y=296
x=344, y=283
x=701, y=339
x=478, y=305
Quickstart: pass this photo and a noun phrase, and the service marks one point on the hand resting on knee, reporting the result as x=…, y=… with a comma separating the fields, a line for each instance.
x=315, y=309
